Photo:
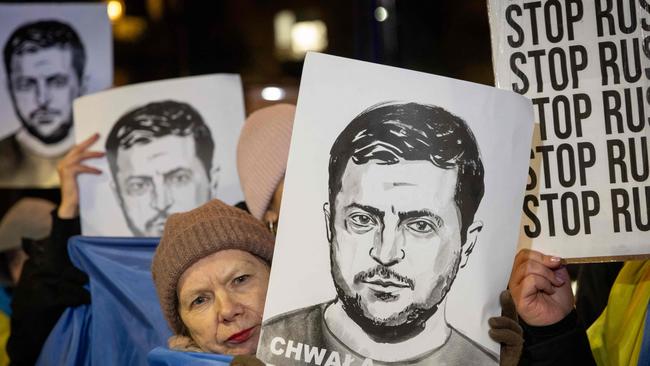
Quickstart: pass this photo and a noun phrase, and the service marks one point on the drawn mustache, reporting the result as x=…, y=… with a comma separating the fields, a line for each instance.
x=384, y=274
x=162, y=215
x=44, y=111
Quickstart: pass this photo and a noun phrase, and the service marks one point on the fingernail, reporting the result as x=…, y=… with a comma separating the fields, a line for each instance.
x=560, y=280
x=555, y=259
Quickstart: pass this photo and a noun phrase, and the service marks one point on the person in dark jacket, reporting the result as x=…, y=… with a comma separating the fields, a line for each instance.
x=50, y=283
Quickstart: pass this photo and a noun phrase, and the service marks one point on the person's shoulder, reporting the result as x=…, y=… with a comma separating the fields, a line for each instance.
x=460, y=344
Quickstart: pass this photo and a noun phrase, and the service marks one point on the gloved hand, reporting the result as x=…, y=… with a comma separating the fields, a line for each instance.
x=246, y=360
x=505, y=329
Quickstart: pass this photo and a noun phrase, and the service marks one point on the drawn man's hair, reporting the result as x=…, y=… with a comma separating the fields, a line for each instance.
x=388, y=133
x=158, y=119
x=32, y=37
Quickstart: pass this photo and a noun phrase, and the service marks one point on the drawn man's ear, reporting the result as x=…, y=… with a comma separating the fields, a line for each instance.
x=214, y=181
x=326, y=214
x=470, y=241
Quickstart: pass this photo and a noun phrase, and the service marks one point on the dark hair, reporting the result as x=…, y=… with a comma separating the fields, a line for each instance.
x=32, y=37
x=390, y=132
x=157, y=119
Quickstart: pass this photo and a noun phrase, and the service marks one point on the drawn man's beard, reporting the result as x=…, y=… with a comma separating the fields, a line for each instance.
x=406, y=324
x=149, y=226
x=57, y=135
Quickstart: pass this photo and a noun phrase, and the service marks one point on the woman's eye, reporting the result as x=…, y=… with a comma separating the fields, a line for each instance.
x=421, y=226
x=241, y=279
x=198, y=301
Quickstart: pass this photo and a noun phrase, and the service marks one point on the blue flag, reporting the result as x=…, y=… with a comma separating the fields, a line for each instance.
x=124, y=321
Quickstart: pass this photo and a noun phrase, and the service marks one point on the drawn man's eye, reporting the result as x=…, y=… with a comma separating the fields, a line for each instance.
x=180, y=178
x=421, y=226
x=58, y=81
x=137, y=187
x=24, y=84
x=361, y=222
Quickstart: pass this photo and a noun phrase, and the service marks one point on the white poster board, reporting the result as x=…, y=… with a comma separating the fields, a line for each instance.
x=585, y=65
x=56, y=52
x=170, y=146
x=382, y=200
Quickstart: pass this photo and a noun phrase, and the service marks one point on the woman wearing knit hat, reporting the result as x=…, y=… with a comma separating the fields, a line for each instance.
x=262, y=154
x=211, y=271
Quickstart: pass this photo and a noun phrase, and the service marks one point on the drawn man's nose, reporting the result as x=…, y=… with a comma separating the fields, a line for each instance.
x=162, y=199
x=388, y=248
x=42, y=95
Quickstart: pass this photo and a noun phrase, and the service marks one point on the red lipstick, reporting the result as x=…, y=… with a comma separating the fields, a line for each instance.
x=241, y=337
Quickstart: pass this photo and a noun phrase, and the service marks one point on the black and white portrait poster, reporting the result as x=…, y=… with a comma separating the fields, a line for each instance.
x=170, y=146
x=52, y=54
x=399, y=219
x=585, y=65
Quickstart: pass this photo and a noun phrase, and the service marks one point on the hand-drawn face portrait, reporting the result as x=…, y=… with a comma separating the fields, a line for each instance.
x=160, y=156
x=405, y=181
x=45, y=66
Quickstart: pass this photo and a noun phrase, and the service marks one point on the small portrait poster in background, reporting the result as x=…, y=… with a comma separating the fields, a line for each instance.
x=52, y=53
x=170, y=146
x=586, y=67
x=399, y=219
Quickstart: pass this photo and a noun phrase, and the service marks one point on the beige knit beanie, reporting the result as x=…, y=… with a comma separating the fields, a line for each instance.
x=193, y=235
x=262, y=154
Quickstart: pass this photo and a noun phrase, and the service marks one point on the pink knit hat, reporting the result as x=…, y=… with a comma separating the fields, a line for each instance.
x=262, y=154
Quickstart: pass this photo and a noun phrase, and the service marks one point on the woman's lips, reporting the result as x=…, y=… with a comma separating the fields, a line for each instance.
x=241, y=337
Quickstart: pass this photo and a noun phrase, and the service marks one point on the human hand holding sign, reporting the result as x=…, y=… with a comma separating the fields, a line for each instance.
x=541, y=288
x=68, y=168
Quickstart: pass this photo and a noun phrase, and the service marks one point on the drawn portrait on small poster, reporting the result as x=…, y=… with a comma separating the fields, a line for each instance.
x=407, y=178
x=164, y=154
x=52, y=54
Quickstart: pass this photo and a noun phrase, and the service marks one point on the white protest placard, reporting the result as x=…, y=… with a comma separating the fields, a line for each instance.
x=399, y=184
x=53, y=53
x=170, y=146
x=585, y=66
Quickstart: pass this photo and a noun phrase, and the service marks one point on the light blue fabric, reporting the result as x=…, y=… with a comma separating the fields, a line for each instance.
x=124, y=321
x=165, y=357
x=644, y=355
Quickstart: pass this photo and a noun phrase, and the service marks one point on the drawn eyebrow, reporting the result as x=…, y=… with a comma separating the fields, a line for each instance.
x=369, y=209
x=403, y=216
x=138, y=177
x=177, y=170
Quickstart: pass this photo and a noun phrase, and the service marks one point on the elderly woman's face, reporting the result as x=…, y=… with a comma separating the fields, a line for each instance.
x=221, y=301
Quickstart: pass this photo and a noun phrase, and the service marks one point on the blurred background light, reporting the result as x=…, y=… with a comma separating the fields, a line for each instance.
x=115, y=9
x=273, y=93
x=282, y=23
x=381, y=14
x=308, y=36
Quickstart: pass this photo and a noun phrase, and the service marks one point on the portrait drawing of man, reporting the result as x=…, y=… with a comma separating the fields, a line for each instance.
x=161, y=160
x=45, y=62
x=405, y=181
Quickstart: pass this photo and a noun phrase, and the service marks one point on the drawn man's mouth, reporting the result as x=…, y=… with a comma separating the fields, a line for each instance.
x=386, y=283
x=44, y=117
